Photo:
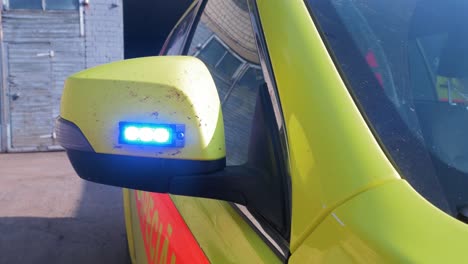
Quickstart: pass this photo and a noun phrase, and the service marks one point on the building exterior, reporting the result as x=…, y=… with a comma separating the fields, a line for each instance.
x=42, y=42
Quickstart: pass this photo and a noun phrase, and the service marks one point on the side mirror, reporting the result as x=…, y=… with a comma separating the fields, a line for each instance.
x=151, y=124
x=137, y=123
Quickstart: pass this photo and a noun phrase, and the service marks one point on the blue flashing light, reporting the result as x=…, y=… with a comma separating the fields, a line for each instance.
x=147, y=134
x=161, y=135
x=131, y=133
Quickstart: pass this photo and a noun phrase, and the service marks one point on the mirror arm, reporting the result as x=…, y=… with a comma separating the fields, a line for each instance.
x=234, y=184
x=242, y=185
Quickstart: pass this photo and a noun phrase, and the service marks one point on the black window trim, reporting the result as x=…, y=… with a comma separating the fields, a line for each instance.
x=408, y=144
x=267, y=235
x=196, y=6
x=273, y=238
x=268, y=73
x=272, y=87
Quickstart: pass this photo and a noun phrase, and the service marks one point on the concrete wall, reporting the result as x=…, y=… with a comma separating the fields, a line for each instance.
x=31, y=116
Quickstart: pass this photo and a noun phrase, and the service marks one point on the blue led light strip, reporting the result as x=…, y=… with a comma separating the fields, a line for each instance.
x=164, y=135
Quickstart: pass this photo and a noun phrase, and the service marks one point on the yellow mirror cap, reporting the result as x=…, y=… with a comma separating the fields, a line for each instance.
x=168, y=90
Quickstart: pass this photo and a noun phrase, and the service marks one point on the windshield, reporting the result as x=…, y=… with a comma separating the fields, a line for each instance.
x=406, y=64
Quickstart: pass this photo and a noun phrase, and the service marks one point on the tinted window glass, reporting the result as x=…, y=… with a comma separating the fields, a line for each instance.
x=253, y=77
x=406, y=62
x=224, y=40
x=220, y=57
x=229, y=65
x=212, y=53
x=177, y=39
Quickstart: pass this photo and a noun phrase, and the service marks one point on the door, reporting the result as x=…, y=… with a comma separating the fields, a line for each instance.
x=176, y=229
x=29, y=81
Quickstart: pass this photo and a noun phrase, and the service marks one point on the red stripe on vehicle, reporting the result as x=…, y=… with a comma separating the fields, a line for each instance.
x=166, y=236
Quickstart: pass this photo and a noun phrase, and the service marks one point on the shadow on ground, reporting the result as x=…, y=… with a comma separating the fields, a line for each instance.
x=52, y=216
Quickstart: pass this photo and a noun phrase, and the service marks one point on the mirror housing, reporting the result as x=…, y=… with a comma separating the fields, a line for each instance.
x=175, y=94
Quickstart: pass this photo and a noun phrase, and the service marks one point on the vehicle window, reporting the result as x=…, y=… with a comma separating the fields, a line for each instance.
x=219, y=57
x=406, y=63
x=177, y=38
x=224, y=40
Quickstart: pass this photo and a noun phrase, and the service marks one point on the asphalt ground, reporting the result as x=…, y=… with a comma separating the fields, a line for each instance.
x=49, y=215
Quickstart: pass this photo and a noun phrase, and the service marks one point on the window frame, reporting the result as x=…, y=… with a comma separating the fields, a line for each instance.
x=268, y=74
x=197, y=7
x=6, y=7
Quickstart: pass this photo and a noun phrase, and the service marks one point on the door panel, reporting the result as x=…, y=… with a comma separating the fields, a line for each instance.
x=165, y=236
x=222, y=233
x=30, y=84
x=206, y=229
x=224, y=40
x=216, y=233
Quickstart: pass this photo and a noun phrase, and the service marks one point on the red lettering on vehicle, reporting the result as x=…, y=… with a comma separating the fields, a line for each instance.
x=166, y=236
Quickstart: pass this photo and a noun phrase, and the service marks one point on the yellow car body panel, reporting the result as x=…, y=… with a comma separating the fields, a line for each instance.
x=333, y=153
x=222, y=233
x=129, y=223
x=391, y=223
x=147, y=94
x=338, y=169
x=136, y=244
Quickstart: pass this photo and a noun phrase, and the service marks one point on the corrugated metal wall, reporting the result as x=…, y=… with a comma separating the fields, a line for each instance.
x=42, y=48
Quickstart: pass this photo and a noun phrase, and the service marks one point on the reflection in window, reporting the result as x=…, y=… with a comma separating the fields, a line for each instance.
x=212, y=53
x=224, y=41
x=229, y=64
x=241, y=4
x=176, y=40
x=218, y=56
x=237, y=81
x=253, y=77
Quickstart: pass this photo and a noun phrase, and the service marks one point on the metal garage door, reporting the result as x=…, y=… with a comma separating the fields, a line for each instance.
x=29, y=79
